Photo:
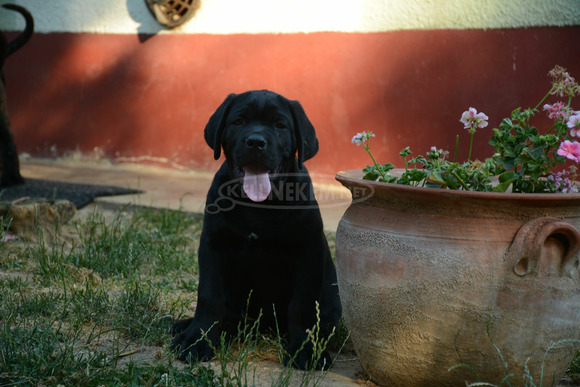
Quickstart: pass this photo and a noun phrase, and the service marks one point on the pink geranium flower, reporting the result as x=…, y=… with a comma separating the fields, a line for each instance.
x=472, y=120
x=574, y=124
x=361, y=138
x=558, y=110
x=570, y=150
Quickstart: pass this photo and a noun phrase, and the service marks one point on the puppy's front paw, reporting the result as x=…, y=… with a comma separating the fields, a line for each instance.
x=304, y=360
x=180, y=326
x=192, y=348
x=189, y=343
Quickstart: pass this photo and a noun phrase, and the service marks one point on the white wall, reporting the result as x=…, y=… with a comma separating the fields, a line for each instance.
x=295, y=16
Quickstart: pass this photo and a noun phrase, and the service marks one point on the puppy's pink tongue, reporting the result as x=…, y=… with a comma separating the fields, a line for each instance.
x=256, y=184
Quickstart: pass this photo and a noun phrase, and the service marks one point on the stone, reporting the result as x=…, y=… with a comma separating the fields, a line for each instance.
x=30, y=219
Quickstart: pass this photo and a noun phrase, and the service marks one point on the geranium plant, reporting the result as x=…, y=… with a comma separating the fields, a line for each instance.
x=525, y=159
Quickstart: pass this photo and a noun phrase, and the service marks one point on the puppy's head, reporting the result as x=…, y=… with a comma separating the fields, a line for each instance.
x=262, y=134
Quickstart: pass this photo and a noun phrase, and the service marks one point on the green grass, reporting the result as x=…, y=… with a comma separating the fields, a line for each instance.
x=574, y=370
x=94, y=306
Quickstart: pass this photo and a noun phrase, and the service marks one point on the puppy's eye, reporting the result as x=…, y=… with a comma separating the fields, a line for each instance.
x=238, y=122
x=280, y=125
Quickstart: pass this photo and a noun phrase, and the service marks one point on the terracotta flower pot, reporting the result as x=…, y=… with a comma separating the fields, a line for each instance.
x=422, y=272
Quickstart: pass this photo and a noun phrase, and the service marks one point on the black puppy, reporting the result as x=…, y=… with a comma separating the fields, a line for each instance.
x=262, y=237
x=9, y=164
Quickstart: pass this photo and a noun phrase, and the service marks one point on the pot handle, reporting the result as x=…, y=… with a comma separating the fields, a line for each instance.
x=545, y=246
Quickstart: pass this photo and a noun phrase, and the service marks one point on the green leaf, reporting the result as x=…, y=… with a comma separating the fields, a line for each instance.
x=435, y=176
x=388, y=166
x=507, y=176
x=370, y=173
x=508, y=162
x=535, y=152
x=505, y=180
x=506, y=124
x=390, y=179
x=502, y=187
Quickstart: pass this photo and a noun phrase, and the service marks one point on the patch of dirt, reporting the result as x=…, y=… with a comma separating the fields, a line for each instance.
x=346, y=370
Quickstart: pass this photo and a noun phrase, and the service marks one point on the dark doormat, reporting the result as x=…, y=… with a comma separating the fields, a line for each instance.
x=78, y=194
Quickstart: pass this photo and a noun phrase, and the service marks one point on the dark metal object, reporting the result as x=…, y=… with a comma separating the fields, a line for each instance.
x=9, y=164
x=172, y=13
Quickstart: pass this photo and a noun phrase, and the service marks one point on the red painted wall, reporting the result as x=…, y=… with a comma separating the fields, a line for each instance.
x=152, y=95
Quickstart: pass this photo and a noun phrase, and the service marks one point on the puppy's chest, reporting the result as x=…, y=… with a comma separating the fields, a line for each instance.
x=258, y=237
x=260, y=231
x=257, y=240
x=253, y=236
x=260, y=254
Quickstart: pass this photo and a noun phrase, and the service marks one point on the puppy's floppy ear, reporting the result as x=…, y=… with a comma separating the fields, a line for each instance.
x=306, y=141
x=215, y=126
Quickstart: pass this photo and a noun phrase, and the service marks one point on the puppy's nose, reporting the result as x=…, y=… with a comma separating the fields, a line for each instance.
x=256, y=141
